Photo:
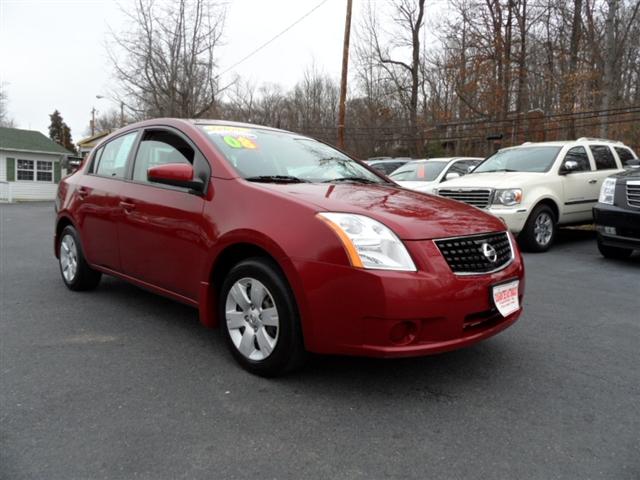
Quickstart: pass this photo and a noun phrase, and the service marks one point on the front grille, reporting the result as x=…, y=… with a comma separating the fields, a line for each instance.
x=478, y=197
x=466, y=255
x=628, y=232
x=633, y=194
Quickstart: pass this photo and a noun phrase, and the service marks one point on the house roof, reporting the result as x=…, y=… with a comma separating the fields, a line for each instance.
x=28, y=140
x=94, y=139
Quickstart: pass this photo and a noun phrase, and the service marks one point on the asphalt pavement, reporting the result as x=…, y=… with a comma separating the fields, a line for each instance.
x=119, y=383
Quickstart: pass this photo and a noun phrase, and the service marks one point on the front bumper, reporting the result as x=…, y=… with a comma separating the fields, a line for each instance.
x=617, y=227
x=514, y=217
x=397, y=314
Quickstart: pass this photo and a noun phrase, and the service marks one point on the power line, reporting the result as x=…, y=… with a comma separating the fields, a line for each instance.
x=493, y=124
x=395, y=137
x=271, y=40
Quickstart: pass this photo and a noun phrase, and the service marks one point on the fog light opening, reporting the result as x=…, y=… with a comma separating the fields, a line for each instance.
x=403, y=333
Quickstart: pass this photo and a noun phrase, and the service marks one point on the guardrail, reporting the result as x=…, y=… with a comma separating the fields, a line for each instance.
x=6, y=193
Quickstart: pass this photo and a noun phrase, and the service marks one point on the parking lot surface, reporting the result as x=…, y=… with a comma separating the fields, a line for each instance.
x=120, y=383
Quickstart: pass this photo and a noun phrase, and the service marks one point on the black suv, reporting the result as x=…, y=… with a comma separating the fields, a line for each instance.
x=617, y=215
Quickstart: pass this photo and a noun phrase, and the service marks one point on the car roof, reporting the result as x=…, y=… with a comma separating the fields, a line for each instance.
x=445, y=159
x=203, y=121
x=579, y=141
x=390, y=160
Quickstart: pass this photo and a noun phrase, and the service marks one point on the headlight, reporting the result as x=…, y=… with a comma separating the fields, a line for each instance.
x=368, y=243
x=508, y=197
x=607, y=191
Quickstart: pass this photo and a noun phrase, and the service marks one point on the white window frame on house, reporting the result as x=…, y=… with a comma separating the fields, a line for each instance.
x=41, y=170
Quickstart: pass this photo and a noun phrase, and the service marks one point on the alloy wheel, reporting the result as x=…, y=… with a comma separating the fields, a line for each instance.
x=543, y=228
x=69, y=258
x=252, y=319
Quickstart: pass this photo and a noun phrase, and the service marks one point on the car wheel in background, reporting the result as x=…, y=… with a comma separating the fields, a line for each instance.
x=259, y=318
x=76, y=272
x=613, y=252
x=539, y=232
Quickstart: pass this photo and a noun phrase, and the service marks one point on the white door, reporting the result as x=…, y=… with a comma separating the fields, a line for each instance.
x=581, y=186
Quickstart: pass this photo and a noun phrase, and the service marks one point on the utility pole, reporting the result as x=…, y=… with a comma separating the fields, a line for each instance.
x=121, y=114
x=343, y=81
x=93, y=121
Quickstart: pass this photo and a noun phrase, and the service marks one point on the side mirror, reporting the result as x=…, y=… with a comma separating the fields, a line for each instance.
x=569, y=166
x=451, y=175
x=175, y=174
x=471, y=168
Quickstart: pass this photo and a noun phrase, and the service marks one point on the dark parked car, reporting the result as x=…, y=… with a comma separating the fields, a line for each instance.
x=286, y=243
x=617, y=215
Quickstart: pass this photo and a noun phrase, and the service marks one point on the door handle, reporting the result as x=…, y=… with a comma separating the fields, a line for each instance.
x=593, y=181
x=127, y=207
x=82, y=192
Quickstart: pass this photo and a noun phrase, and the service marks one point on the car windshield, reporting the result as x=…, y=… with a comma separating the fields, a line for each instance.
x=418, y=172
x=521, y=159
x=280, y=157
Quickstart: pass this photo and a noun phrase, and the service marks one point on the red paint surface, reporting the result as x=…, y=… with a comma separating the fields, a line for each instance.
x=169, y=241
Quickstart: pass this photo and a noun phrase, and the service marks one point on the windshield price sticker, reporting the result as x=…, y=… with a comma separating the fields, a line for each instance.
x=239, y=142
x=505, y=297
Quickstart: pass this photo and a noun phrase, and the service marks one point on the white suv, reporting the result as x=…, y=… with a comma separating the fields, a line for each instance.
x=535, y=187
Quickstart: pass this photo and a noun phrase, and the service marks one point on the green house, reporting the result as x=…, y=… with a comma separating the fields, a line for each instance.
x=30, y=165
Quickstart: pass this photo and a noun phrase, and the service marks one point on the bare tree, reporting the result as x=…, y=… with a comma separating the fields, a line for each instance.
x=108, y=121
x=404, y=74
x=5, y=120
x=165, y=65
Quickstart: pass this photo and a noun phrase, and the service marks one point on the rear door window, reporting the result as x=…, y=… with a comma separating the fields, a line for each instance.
x=603, y=157
x=113, y=161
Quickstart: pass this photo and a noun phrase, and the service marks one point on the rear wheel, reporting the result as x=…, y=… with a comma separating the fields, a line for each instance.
x=76, y=272
x=540, y=230
x=259, y=318
x=613, y=252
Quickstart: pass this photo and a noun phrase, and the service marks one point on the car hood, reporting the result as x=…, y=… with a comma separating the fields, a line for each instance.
x=411, y=215
x=493, y=180
x=630, y=174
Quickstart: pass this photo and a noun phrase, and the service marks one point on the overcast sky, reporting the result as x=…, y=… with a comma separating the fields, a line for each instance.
x=52, y=52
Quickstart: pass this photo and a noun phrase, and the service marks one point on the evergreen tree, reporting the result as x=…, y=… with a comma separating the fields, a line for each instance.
x=60, y=132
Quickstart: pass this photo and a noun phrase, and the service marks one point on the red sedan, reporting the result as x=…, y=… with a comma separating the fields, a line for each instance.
x=287, y=243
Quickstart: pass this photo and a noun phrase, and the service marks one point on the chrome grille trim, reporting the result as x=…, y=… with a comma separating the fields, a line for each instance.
x=441, y=245
x=477, y=197
x=633, y=194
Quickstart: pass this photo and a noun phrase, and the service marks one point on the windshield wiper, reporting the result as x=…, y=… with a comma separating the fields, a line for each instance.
x=352, y=179
x=276, y=179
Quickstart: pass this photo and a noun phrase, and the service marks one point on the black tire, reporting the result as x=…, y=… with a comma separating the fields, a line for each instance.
x=288, y=353
x=530, y=238
x=85, y=278
x=615, y=253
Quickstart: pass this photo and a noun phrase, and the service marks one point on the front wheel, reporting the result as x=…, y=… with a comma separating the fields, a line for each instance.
x=76, y=272
x=615, y=253
x=540, y=230
x=259, y=318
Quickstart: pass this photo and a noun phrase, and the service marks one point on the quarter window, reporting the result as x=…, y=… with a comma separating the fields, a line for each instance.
x=603, y=157
x=462, y=167
x=625, y=155
x=159, y=148
x=113, y=161
x=32, y=170
x=579, y=155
